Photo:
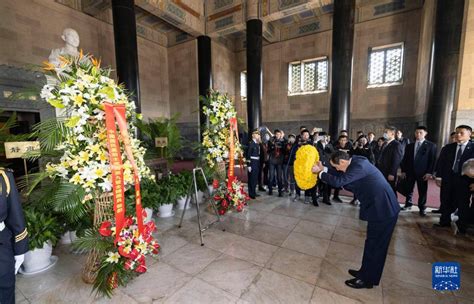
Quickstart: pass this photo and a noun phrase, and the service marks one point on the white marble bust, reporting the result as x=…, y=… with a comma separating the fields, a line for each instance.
x=71, y=38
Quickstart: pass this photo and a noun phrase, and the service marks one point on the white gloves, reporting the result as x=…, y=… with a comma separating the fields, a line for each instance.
x=249, y=168
x=18, y=261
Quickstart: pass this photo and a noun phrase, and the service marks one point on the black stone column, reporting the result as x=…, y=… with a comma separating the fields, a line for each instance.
x=204, y=74
x=341, y=71
x=445, y=57
x=254, y=74
x=126, y=55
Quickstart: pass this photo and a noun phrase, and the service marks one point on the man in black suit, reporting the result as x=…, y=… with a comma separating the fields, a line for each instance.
x=455, y=191
x=371, y=141
x=402, y=140
x=452, y=139
x=378, y=206
x=390, y=157
x=417, y=167
x=253, y=159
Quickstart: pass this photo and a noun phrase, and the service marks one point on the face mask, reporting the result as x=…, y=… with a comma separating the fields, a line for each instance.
x=291, y=140
x=385, y=135
x=267, y=137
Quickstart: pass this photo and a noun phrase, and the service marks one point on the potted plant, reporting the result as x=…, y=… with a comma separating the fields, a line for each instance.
x=162, y=127
x=150, y=195
x=210, y=174
x=167, y=196
x=44, y=231
x=202, y=187
x=73, y=229
x=184, y=180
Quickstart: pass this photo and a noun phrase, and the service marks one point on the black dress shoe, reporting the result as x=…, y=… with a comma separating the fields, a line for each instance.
x=261, y=189
x=315, y=203
x=422, y=213
x=270, y=193
x=354, y=273
x=337, y=199
x=327, y=202
x=439, y=225
x=252, y=197
x=436, y=211
x=280, y=194
x=358, y=284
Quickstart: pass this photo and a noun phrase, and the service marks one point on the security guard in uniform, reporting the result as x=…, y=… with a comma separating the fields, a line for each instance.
x=13, y=236
x=253, y=162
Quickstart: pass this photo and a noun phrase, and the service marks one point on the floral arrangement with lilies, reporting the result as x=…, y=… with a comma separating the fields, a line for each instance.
x=230, y=195
x=80, y=92
x=127, y=258
x=219, y=109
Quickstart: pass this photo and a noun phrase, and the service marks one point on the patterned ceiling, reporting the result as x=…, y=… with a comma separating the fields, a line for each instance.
x=303, y=16
x=149, y=20
x=169, y=22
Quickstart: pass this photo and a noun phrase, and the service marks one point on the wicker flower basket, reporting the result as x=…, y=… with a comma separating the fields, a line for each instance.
x=103, y=211
x=221, y=170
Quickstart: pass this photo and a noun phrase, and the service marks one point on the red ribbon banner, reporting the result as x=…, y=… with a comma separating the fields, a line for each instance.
x=122, y=123
x=115, y=112
x=233, y=132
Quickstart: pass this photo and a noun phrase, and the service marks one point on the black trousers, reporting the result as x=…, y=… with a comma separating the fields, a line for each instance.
x=263, y=174
x=422, y=186
x=7, y=295
x=7, y=269
x=324, y=190
x=253, y=176
x=378, y=238
x=309, y=192
x=455, y=194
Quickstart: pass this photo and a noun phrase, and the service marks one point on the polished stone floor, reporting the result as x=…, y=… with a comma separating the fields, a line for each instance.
x=277, y=251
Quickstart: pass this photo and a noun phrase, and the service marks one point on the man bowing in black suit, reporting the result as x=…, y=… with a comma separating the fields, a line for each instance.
x=455, y=191
x=417, y=167
x=390, y=157
x=378, y=206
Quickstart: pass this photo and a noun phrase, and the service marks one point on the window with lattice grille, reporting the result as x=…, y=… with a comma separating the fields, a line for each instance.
x=308, y=76
x=243, y=85
x=385, y=65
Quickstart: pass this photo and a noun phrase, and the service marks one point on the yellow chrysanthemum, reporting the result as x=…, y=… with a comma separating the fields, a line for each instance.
x=306, y=157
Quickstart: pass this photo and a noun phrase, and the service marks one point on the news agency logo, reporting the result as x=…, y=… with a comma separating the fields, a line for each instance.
x=446, y=276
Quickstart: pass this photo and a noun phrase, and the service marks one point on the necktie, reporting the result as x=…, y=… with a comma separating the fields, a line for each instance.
x=417, y=147
x=457, y=160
